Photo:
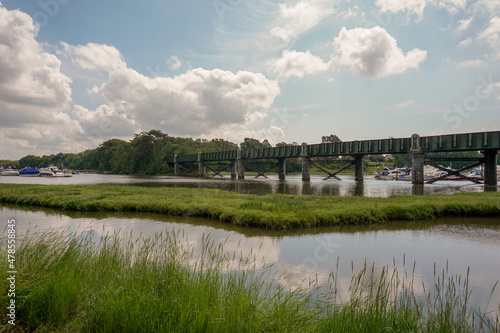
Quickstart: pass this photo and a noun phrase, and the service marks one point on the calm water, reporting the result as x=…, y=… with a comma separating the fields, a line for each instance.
x=370, y=187
x=312, y=254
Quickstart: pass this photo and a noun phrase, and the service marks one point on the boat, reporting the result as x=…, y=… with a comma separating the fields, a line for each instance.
x=389, y=173
x=29, y=172
x=67, y=173
x=51, y=171
x=10, y=171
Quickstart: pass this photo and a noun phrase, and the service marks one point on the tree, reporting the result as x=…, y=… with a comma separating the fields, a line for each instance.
x=332, y=138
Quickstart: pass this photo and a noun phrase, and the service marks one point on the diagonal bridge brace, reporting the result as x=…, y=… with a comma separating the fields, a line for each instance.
x=333, y=175
x=217, y=172
x=261, y=174
x=185, y=170
x=455, y=172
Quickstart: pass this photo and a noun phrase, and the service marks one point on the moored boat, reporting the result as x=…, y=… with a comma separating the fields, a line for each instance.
x=10, y=171
x=29, y=172
x=67, y=173
x=51, y=171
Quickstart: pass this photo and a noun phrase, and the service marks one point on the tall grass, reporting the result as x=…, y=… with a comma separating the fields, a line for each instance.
x=73, y=283
x=273, y=211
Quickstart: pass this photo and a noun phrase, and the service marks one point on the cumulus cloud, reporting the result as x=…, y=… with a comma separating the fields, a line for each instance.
x=34, y=94
x=194, y=103
x=296, y=20
x=408, y=6
x=95, y=56
x=298, y=64
x=374, y=53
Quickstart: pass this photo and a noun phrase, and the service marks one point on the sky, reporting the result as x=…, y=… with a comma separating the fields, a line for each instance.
x=76, y=73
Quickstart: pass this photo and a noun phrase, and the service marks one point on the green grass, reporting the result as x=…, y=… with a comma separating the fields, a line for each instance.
x=274, y=211
x=69, y=283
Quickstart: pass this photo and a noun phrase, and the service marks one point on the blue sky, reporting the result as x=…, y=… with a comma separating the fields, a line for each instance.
x=75, y=73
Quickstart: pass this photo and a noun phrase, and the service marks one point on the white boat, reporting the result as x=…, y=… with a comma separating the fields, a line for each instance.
x=51, y=171
x=390, y=173
x=67, y=173
x=10, y=171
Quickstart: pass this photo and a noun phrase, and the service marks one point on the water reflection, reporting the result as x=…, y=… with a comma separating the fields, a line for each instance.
x=370, y=187
x=301, y=256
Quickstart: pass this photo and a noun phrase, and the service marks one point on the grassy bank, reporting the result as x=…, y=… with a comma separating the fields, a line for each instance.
x=269, y=211
x=68, y=283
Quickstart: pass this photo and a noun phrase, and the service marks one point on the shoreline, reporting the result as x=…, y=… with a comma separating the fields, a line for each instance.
x=271, y=211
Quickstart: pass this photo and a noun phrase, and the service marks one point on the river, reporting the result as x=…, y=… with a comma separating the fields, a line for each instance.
x=293, y=258
x=370, y=187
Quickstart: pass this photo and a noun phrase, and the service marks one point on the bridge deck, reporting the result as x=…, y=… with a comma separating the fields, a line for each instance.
x=428, y=144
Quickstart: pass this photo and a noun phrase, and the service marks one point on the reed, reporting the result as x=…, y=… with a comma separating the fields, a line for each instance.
x=273, y=211
x=86, y=283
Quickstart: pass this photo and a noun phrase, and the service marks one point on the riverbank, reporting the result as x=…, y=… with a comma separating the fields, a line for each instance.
x=75, y=283
x=273, y=211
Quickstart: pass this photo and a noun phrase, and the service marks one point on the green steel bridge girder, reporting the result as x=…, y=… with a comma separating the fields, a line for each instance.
x=429, y=144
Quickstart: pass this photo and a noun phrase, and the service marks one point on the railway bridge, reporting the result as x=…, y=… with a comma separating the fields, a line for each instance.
x=488, y=143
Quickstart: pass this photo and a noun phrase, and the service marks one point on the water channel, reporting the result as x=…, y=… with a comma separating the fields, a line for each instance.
x=299, y=256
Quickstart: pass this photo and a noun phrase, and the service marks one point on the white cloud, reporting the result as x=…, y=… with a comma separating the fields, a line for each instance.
x=174, y=63
x=374, y=53
x=298, y=64
x=463, y=24
x=34, y=94
x=95, y=56
x=296, y=20
x=491, y=34
x=408, y=6
x=466, y=42
x=470, y=64
x=197, y=102
x=453, y=6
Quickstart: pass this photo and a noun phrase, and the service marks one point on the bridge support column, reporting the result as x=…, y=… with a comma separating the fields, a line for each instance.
x=490, y=167
x=306, y=163
x=282, y=168
x=176, y=166
x=233, y=168
x=417, y=167
x=241, y=168
x=306, y=168
x=176, y=169
x=201, y=166
x=358, y=168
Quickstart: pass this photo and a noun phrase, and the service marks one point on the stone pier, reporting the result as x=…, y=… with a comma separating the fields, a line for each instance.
x=201, y=166
x=306, y=163
x=490, y=167
x=417, y=160
x=282, y=168
x=233, y=168
x=176, y=167
x=359, y=168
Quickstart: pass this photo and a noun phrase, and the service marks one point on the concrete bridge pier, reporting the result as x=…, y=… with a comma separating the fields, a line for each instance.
x=359, y=168
x=306, y=163
x=201, y=166
x=490, y=167
x=282, y=168
x=233, y=168
x=417, y=167
x=241, y=168
x=176, y=166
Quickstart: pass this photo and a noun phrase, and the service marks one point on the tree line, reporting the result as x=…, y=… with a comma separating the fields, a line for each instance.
x=146, y=153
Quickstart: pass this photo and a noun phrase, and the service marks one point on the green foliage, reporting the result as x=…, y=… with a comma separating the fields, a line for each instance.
x=269, y=211
x=86, y=283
